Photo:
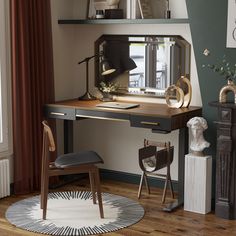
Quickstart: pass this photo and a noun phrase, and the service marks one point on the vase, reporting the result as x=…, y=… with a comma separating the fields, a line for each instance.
x=230, y=87
x=107, y=97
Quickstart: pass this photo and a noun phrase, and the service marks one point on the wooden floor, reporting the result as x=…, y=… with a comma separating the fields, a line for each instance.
x=155, y=222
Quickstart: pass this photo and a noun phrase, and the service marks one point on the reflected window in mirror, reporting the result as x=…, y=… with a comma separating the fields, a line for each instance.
x=145, y=65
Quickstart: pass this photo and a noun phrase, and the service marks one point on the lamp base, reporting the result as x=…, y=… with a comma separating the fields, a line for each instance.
x=86, y=97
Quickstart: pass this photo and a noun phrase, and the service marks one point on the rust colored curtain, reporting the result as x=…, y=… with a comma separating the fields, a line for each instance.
x=32, y=86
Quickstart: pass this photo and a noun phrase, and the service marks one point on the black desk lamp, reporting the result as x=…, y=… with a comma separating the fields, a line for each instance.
x=106, y=69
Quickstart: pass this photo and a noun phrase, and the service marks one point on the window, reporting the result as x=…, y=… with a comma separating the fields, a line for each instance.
x=153, y=56
x=4, y=78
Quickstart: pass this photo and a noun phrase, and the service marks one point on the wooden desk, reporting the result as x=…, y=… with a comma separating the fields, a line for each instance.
x=157, y=117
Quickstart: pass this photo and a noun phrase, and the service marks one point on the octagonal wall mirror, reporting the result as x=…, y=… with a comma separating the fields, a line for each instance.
x=145, y=64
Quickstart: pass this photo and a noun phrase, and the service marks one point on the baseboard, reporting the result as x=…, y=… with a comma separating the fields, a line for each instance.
x=112, y=175
x=134, y=178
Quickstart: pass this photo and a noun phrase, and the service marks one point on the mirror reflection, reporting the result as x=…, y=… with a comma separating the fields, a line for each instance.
x=144, y=64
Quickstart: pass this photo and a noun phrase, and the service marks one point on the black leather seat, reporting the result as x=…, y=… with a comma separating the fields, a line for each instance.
x=79, y=158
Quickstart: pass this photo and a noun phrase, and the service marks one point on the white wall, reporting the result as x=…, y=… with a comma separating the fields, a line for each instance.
x=117, y=142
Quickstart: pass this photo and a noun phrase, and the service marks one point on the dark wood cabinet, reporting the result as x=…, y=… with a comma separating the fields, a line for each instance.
x=225, y=205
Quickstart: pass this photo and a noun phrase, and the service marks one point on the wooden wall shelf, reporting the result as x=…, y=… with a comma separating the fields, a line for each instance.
x=124, y=21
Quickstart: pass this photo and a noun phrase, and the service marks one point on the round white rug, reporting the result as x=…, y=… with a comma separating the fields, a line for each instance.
x=73, y=213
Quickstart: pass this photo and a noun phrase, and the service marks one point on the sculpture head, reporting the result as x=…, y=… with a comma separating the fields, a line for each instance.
x=197, y=125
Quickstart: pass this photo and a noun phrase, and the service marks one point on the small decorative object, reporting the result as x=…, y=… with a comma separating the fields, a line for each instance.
x=230, y=87
x=229, y=73
x=96, y=5
x=145, y=9
x=183, y=99
x=188, y=95
x=179, y=96
x=107, y=89
x=197, y=125
x=99, y=14
x=206, y=52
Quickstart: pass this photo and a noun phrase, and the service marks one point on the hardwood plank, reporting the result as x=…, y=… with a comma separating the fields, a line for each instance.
x=155, y=222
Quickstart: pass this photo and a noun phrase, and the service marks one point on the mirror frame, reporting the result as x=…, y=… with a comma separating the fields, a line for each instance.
x=122, y=37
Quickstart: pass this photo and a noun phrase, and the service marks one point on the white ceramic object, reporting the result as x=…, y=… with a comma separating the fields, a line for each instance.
x=198, y=143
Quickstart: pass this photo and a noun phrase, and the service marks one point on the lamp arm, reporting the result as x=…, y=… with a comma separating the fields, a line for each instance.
x=89, y=58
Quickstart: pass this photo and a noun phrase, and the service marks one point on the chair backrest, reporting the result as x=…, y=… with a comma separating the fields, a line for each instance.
x=48, y=137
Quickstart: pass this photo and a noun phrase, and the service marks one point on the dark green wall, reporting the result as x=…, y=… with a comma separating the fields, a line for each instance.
x=208, y=23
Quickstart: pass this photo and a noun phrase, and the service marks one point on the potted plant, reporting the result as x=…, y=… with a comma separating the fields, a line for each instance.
x=107, y=89
x=228, y=71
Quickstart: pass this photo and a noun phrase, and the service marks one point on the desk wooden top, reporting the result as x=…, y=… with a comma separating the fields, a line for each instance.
x=144, y=109
x=153, y=116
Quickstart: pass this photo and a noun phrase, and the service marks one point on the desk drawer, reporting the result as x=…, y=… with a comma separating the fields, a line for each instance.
x=60, y=113
x=101, y=115
x=154, y=123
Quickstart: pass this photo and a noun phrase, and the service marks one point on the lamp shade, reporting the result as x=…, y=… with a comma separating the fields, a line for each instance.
x=127, y=64
x=106, y=69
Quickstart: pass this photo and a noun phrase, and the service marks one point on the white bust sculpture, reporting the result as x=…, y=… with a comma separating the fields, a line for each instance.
x=198, y=143
x=113, y=4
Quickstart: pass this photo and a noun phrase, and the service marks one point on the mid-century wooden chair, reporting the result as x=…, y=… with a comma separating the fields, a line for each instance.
x=71, y=163
x=152, y=160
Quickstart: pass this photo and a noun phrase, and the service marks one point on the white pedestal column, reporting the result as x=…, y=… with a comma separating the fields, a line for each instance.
x=197, y=185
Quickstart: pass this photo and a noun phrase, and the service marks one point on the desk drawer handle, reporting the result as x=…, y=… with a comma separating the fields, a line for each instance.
x=57, y=113
x=150, y=123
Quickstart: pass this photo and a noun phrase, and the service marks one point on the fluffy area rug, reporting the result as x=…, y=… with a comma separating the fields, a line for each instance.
x=73, y=213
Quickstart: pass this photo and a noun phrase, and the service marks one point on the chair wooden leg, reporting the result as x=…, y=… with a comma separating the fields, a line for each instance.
x=99, y=194
x=42, y=175
x=42, y=189
x=164, y=191
x=91, y=179
x=45, y=195
x=146, y=183
x=141, y=185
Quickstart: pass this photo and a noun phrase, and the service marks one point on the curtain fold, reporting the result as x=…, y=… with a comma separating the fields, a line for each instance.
x=32, y=86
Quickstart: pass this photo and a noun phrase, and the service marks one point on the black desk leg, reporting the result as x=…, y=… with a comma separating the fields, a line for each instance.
x=183, y=149
x=68, y=136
